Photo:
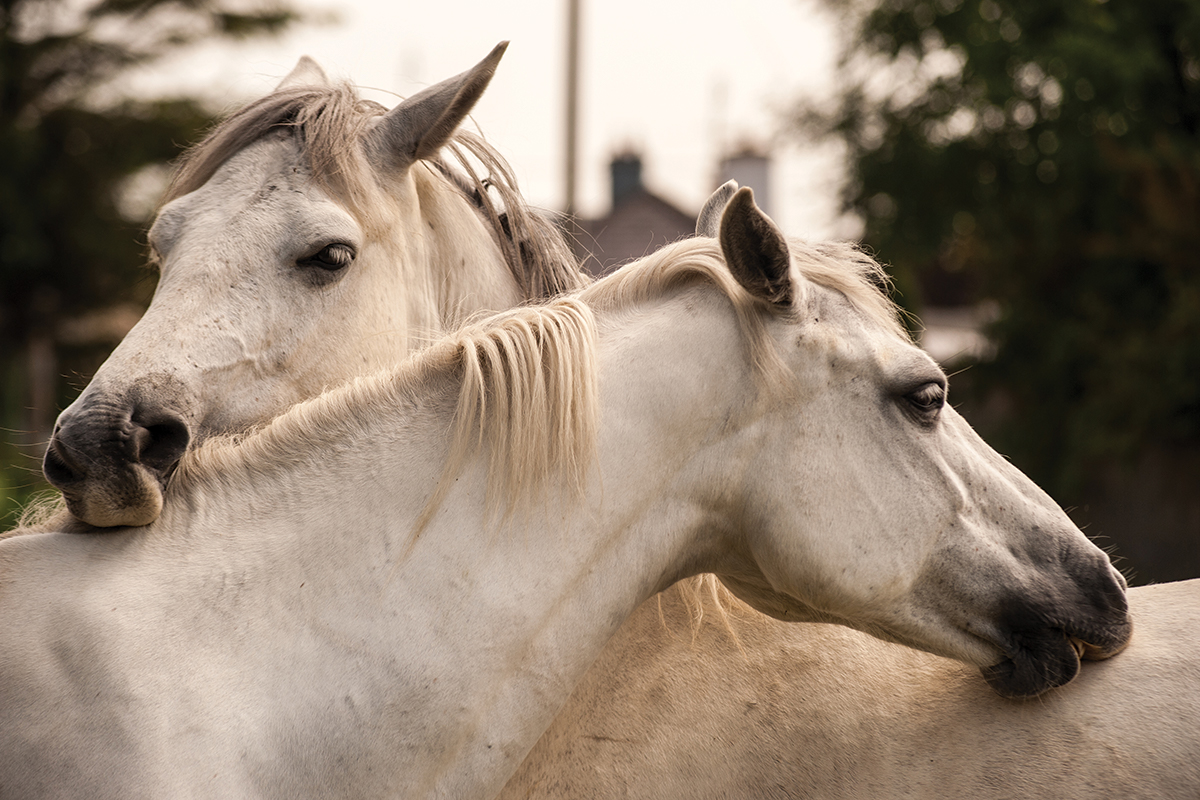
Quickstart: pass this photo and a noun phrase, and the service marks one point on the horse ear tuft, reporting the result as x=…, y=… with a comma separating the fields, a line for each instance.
x=756, y=251
x=709, y=222
x=419, y=126
x=307, y=72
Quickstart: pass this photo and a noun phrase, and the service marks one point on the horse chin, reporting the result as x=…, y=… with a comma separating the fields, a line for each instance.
x=130, y=499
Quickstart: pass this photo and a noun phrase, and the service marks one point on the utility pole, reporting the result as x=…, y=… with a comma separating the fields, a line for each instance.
x=572, y=131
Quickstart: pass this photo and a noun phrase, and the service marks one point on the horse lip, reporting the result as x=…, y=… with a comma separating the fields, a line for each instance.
x=1093, y=646
x=1053, y=658
x=1079, y=646
x=1030, y=671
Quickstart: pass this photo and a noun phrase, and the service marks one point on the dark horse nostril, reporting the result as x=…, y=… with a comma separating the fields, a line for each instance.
x=160, y=444
x=58, y=467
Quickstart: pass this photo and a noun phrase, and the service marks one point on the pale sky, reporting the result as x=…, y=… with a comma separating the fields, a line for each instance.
x=678, y=81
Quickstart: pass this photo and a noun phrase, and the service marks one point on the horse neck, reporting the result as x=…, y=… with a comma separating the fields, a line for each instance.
x=506, y=617
x=466, y=270
x=534, y=606
x=542, y=597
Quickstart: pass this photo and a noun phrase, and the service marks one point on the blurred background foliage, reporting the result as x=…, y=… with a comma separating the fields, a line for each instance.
x=74, y=153
x=1042, y=158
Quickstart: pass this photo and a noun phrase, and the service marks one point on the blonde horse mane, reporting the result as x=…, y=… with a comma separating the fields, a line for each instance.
x=45, y=513
x=839, y=266
x=330, y=122
x=529, y=387
x=687, y=261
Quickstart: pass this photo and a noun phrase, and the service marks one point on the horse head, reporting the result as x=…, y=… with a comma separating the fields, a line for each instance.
x=311, y=238
x=877, y=505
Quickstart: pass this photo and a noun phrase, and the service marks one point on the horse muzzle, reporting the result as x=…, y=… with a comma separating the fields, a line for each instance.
x=1044, y=651
x=111, y=461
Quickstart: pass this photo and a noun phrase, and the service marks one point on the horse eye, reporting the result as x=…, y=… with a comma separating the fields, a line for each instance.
x=331, y=257
x=927, y=400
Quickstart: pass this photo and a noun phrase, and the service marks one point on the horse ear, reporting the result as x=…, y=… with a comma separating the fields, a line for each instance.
x=307, y=72
x=419, y=126
x=709, y=222
x=756, y=251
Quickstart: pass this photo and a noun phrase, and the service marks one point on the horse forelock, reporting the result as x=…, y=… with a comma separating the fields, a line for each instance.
x=846, y=268
x=330, y=122
x=683, y=262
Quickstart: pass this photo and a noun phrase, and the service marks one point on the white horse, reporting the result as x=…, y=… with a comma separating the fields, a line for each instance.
x=340, y=604
x=736, y=704
x=672, y=709
x=311, y=238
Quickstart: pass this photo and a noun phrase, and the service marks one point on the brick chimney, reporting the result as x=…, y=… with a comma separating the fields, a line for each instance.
x=626, y=176
x=749, y=167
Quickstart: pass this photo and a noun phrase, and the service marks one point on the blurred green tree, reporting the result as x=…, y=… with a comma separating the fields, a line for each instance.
x=69, y=146
x=1043, y=155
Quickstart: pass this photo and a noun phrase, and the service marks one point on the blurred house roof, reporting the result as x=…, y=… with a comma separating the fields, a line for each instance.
x=639, y=222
